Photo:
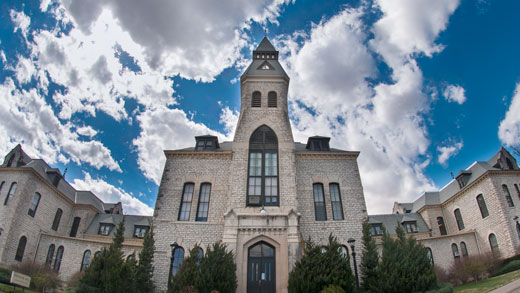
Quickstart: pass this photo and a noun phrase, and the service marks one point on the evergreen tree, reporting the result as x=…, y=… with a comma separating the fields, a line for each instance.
x=369, y=261
x=144, y=270
x=404, y=266
x=108, y=272
x=217, y=270
x=316, y=269
x=188, y=272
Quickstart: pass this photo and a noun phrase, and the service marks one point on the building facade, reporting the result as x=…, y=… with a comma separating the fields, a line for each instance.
x=477, y=213
x=260, y=192
x=44, y=220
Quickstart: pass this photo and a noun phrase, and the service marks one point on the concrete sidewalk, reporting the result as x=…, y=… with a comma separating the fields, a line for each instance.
x=513, y=287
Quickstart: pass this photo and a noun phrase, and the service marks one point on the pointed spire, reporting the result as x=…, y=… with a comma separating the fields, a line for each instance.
x=265, y=46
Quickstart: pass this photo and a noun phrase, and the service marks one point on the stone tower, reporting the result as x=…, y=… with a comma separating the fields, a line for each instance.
x=262, y=201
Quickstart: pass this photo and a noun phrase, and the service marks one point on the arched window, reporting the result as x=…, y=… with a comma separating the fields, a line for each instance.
x=256, y=100
x=455, y=251
x=11, y=192
x=57, y=260
x=343, y=251
x=442, y=227
x=203, y=205
x=50, y=255
x=1, y=186
x=319, y=202
x=177, y=258
x=482, y=206
x=463, y=249
x=508, y=196
x=97, y=254
x=493, y=243
x=429, y=254
x=516, y=187
x=57, y=218
x=187, y=196
x=458, y=218
x=262, y=183
x=335, y=198
x=75, y=226
x=86, y=260
x=271, y=100
x=34, y=204
x=200, y=255
x=21, y=249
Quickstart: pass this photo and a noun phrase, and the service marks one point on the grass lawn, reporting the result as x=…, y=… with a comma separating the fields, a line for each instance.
x=488, y=284
x=8, y=289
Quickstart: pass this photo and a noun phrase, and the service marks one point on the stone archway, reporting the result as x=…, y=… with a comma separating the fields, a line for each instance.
x=261, y=268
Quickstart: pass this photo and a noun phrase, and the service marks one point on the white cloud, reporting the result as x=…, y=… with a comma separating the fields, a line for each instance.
x=454, y=93
x=329, y=68
x=196, y=39
x=509, y=129
x=86, y=131
x=448, y=151
x=166, y=129
x=110, y=194
x=26, y=118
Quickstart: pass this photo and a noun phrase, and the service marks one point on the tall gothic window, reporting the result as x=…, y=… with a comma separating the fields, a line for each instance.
x=455, y=251
x=176, y=261
x=442, y=226
x=187, y=196
x=319, y=202
x=493, y=243
x=34, y=204
x=57, y=218
x=429, y=254
x=21, y=248
x=482, y=206
x=516, y=187
x=203, y=206
x=271, y=100
x=11, y=192
x=335, y=198
x=75, y=226
x=57, y=260
x=508, y=196
x=50, y=255
x=262, y=183
x=463, y=249
x=458, y=218
x=256, y=100
x=86, y=260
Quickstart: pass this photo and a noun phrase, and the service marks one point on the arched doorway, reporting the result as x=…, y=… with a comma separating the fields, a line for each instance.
x=261, y=273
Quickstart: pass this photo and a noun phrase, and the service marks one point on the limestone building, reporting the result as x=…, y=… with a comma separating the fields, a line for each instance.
x=44, y=220
x=476, y=213
x=262, y=194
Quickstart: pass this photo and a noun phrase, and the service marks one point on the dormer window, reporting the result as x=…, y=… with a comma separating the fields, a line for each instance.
x=206, y=143
x=318, y=143
x=376, y=229
x=410, y=227
x=104, y=229
x=463, y=178
x=140, y=231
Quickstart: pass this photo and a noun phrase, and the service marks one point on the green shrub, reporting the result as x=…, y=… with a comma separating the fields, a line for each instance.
x=332, y=289
x=42, y=278
x=509, y=267
x=508, y=260
x=45, y=281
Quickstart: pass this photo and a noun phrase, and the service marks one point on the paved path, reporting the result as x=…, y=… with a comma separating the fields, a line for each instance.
x=513, y=287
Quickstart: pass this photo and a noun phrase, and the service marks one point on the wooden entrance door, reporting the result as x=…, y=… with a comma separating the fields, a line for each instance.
x=261, y=273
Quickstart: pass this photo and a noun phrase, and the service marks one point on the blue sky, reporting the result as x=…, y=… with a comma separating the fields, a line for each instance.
x=422, y=88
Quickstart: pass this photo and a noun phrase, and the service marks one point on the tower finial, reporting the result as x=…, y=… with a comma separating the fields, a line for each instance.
x=265, y=31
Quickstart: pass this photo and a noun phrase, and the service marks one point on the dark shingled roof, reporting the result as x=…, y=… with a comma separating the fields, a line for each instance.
x=254, y=68
x=391, y=221
x=115, y=219
x=265, y=46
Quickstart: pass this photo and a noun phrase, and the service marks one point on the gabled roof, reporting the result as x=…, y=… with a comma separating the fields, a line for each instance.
x=265, y=46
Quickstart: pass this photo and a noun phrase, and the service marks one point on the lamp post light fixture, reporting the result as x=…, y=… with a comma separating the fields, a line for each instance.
x=174, y=246
x=351, y=242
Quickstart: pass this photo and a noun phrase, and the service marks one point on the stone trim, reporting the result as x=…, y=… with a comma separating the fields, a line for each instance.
x=327, y=155
x=198, y=154
x=98, y=240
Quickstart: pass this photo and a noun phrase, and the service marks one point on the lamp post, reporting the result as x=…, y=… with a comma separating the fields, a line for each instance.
x=174, y=246
x=351, y=242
